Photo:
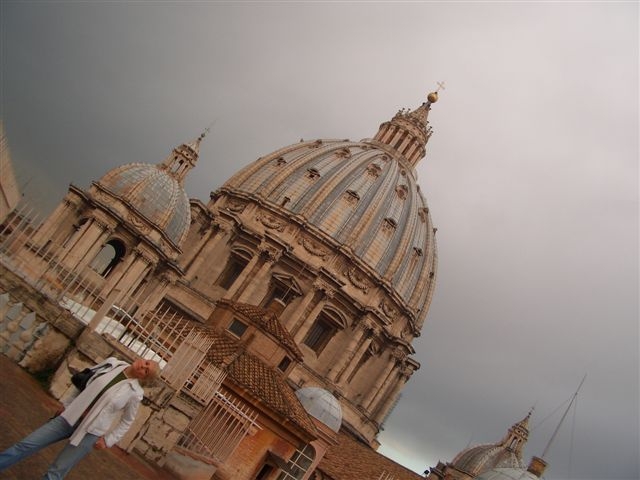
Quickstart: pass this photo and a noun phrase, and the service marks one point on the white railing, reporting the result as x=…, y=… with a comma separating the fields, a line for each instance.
x=218, y=429
x=190, y=371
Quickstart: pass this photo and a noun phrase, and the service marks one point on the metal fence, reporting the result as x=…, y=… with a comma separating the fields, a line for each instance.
x=215, y=433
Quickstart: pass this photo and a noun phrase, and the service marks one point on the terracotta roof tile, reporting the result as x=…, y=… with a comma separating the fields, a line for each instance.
x=261, y=380
x=268, y=321
x=351, y=459
x=271, y=388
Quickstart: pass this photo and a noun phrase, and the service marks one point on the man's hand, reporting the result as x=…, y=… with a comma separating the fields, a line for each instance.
x=100, y=444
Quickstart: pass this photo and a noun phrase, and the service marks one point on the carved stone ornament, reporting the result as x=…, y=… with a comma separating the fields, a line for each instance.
x=358, y=280
x=165, y=247
x=272, y=253
x=140, y=224
x=104, y=226
x=101, y=196
x=343, y=153
x=366, y=325
x=387, y=309
x=167, y=278
x=423, y=213
x=271, y=222
x=398, y=354
x=374, y=170
x=320, y=285
x=374, y=347
x=143, y=256
x=405, y=372
x=401, y=191
x=389, y=225
x=351, y=197
x=313, y=248
x=235, y=206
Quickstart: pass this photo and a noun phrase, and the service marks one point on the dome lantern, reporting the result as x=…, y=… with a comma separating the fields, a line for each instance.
x=408, y=131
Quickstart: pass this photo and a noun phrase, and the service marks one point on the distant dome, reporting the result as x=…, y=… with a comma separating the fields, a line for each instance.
x=154, y=193
x=321, y=405
x=506, y=453
x=484, y=457
x=507, y=474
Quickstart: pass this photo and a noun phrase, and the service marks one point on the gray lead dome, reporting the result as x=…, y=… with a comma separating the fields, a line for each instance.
x=321, y=405
x=153, y=193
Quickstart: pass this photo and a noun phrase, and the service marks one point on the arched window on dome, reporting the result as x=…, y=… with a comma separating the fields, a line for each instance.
x=111, y=254
x=298, y=465
x=329, y=321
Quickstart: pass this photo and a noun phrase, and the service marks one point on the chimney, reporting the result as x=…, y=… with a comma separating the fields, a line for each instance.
x=537, y=466
x=276, y=306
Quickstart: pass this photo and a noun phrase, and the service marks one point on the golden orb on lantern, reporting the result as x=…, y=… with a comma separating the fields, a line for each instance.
x=432, y=97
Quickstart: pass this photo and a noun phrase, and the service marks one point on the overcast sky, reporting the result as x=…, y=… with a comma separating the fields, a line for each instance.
x=531, y=175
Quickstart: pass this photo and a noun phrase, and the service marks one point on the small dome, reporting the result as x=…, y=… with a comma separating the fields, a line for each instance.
x=153, y=193
x=321, y=405
x=507, y=474
x=484, y=457
x=506, y=453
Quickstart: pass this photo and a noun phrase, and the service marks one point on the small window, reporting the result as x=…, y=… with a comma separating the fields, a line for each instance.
x=319, y=335
x=231, y=272
x=284, y=364
x=237, y=328
x=299, y=464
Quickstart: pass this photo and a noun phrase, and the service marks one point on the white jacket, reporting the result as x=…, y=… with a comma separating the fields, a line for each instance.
x=122, y=398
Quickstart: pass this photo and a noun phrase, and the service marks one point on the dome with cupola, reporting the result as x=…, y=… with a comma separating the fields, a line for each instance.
x=506, y=453
x=361, y=197
x=156, y=192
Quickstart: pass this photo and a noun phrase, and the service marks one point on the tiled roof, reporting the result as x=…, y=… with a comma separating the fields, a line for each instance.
x=351, y=459
x=266, y=320
x=270, y=387
x=262, y=381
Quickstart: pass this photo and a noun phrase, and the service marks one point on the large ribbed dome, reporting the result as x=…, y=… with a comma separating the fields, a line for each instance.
x=364, y=196
x=154, y=194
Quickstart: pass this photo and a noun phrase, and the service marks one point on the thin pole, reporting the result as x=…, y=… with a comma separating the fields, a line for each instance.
x=563, y=416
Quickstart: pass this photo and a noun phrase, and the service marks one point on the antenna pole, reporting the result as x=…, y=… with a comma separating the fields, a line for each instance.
x=563, y=417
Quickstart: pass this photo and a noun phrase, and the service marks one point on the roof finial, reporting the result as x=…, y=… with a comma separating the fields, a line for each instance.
x=206, y=131
x=433, y=96
x=555, y=432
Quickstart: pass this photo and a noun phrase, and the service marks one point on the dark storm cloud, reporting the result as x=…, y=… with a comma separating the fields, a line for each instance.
x=531, y=175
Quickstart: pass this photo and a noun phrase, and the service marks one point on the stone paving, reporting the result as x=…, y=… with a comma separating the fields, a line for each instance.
x=25, y=405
